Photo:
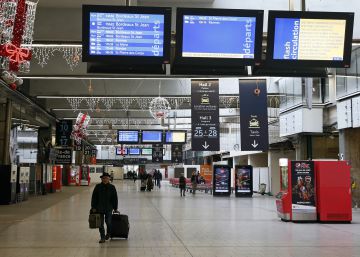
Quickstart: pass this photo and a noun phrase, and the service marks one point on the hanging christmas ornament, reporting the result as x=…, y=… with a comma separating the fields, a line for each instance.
x=79, y=131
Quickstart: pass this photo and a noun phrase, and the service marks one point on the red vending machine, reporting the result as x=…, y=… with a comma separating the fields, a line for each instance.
x=57, y=177
x=296, y=201
x=333, y=194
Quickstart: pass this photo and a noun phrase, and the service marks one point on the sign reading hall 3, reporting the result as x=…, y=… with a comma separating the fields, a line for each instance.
x=205, y=115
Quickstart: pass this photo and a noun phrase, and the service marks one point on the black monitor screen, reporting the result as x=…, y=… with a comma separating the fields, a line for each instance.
x=218, y=36
x=151, y=136
x=146, y=151
x=126, y=34
x=128, y=136
x=175, y=137
x=134, y=151
x=121, y=151
x=113, y=32
x=320, y=38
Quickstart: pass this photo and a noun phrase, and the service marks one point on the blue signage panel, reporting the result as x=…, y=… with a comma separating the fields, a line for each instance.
x=128, y=136
x=126, y=34
x=151, y=136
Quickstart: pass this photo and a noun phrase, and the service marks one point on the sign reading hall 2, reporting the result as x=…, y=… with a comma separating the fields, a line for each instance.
x=253, y=115
x=205, y=115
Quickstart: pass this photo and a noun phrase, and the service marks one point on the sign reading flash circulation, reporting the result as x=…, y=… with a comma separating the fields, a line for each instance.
x=303, y=190
x=205, y=115
x=253, y=115
x=221, y=180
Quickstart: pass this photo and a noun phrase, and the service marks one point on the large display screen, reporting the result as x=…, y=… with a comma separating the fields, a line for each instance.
x=221, y=179
x=126, y=34
x=175, y=137
x=121, y=151
x=309, y=39
x=128, y=136
x=218, y=36
x=151, y=136
x=134, y=151
x=146, y=151
x=243, y=180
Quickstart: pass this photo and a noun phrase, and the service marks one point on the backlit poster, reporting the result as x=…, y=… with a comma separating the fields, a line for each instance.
x=221, y=180
x=303, y=188
x=243, y=180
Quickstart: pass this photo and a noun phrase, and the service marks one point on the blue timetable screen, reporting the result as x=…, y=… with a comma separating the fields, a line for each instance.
x=128, y=136
x=152, y=136
x=218, y=36
x=126, y=34
x=309, y=39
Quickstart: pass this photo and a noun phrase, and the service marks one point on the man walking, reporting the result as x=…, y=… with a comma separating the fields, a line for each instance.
x=104, y=200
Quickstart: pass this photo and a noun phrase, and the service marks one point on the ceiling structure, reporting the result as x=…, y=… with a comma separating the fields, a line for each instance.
x=55, y=87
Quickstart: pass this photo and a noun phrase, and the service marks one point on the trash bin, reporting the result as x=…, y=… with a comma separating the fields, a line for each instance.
x=262, y=188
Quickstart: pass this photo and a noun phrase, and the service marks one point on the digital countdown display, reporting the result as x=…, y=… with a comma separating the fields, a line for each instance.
x=309, y=39
x=218, y=36
x=126, y=34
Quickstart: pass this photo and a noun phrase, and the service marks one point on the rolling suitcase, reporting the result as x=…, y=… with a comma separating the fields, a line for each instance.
x=119, y=225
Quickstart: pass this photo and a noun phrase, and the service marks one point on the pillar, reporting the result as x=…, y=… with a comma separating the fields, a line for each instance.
x=5, y=128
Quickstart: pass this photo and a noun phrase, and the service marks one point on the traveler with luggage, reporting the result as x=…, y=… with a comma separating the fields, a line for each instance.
x=182, y=184
x=104, y=201
x=150, y=184
x=194, y=182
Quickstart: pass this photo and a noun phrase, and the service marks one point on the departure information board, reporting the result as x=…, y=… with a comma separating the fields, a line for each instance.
x=309, y=39
x=218, y=36
x=175, y=137
x=128, y=136
x=151, y=136
x=134, y=151
x=126, y=34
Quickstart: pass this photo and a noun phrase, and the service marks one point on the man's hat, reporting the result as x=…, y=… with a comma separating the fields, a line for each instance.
x=105, y=174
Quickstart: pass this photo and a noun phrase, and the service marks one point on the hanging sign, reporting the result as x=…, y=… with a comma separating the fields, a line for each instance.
x=77, y=145
x=87, y=149
x=176, y=153
x=63, y=132
x=157, y=153
x=253, y=115
x=63, y=156
x=205, y=132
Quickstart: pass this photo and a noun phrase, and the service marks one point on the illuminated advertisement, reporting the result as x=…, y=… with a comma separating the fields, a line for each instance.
x=309, y=39
x=222, y=180
x=243, y=179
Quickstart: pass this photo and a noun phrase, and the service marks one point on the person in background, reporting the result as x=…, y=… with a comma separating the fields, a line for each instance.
x=182, y=184
x=150, y=184
x=158, y=178
x=104, y=201
x=112, y=176
x=194, y=182
x=134, y=176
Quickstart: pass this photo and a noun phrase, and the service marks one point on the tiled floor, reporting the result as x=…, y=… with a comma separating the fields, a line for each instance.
x=164, y=224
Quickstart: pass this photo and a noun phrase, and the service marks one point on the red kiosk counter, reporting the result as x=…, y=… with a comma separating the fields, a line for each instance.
x=316, y=190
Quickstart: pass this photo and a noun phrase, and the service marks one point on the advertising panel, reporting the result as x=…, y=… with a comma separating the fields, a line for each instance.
x=243, y=180
x=221, y=180
x=303, y=187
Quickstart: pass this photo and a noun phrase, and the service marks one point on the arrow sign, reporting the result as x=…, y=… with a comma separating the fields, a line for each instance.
x=254, y=144
x=206, y=146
